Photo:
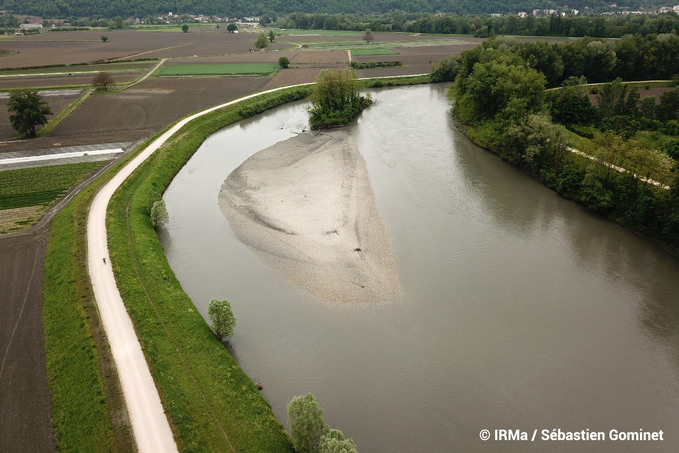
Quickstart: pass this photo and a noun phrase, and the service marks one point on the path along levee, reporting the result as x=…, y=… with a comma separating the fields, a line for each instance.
x=150, y=426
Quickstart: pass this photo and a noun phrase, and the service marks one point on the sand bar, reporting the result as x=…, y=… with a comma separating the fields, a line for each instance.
x=305, y=206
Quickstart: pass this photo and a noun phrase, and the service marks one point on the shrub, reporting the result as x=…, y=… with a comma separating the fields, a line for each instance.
x=222, y=318
x=283, y=62
x=159, y=215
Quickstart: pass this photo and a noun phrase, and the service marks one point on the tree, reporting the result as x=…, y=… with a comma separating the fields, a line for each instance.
x=27, y=110
x=104, y=38
x=368, y=36
x=334, y=442
x=222, y=318
x=158, y=214
x=185, y=28
x=231, y=27
x=272, y=36
x=283, y=62
x=335, y=99
x=261, y=41
x=305, y=418
x=102, y=80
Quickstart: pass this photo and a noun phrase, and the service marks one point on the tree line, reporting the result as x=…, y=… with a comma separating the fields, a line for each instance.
x=485, y=25
x=239, y=8
x=501, y=101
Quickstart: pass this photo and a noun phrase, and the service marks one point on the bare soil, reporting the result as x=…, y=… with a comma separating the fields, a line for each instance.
x=25, y=405
x=64, y=80
x=87, y=46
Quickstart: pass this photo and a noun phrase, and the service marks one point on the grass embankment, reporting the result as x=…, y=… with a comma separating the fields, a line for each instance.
x=88, y=411
x=182, y=70
x=211, y=402
x=40, y=185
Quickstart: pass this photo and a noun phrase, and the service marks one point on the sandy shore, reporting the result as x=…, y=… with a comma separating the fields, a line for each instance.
x=305, y=206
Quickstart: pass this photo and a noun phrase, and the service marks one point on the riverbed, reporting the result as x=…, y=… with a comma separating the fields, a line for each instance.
x=517, y=309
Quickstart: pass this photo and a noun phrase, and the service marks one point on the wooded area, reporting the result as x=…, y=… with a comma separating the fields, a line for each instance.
x=626, y=148
x=240, y=8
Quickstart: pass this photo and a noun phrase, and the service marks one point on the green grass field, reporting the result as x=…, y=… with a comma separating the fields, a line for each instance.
x=372, y=51
x=261, y=69
x=294, y=32
x=41, y=185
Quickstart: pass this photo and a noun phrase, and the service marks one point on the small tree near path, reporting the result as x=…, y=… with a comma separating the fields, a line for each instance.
x=221, y=317
x=368, y=36
x=104, y=38
x=102, y=80
x=27, y=111
x=185, y=28
x=262, y=41
x=283, y=62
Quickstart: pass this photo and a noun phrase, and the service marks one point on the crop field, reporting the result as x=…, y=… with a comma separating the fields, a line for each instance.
x=40, y=185
x=56, y=103
x=262, y=69
x=293, y=33
x=87, y=46
x=372, y=51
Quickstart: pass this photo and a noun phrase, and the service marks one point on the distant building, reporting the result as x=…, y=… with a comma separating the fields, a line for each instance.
x=30, y=27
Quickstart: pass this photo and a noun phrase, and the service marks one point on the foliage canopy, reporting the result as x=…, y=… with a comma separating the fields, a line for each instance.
x=222, y=318
x=335, y=99
x=27, y=111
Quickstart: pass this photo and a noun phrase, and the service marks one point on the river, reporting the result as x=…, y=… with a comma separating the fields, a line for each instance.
x=517, y=310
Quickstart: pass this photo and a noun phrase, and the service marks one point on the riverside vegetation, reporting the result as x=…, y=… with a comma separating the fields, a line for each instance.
x=211, y=403
x=501, y=103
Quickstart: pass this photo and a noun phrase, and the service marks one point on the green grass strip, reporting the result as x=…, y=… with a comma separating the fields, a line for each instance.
x=40, y=185
x=88, y=411
x=218, y=69
x=371, y=51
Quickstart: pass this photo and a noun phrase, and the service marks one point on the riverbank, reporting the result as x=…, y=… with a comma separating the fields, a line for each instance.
x=305, y=207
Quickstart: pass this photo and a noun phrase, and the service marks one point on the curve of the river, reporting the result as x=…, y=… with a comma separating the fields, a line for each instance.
x=518, y=309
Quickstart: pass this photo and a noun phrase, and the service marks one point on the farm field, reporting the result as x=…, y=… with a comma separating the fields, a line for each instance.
x=87, y=46
x=183, y=70
x=371, y=51
x=57, y=103
x=40, y=185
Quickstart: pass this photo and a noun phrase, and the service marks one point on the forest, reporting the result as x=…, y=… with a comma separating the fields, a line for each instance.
x=485, y=26
x=240, y=8
x=617, y=155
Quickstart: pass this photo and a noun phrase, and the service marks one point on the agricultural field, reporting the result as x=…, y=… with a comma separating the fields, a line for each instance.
x=40, y=186
x=359, y=51
x=187, y=70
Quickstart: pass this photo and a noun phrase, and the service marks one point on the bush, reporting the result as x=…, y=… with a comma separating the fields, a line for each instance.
x=307, y=427
x=283, y=62
x=159, y=215
x=222, y=318
x=335, y=99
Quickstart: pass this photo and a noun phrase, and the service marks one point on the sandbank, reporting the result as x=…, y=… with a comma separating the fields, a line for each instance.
x=305, y=206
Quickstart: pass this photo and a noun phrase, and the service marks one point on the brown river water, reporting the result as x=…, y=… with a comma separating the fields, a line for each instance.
x=518, y=310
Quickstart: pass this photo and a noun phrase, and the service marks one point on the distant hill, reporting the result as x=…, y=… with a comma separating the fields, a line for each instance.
x=240, y=8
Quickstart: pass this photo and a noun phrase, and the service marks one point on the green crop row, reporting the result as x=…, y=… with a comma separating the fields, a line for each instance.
x=40, y=185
